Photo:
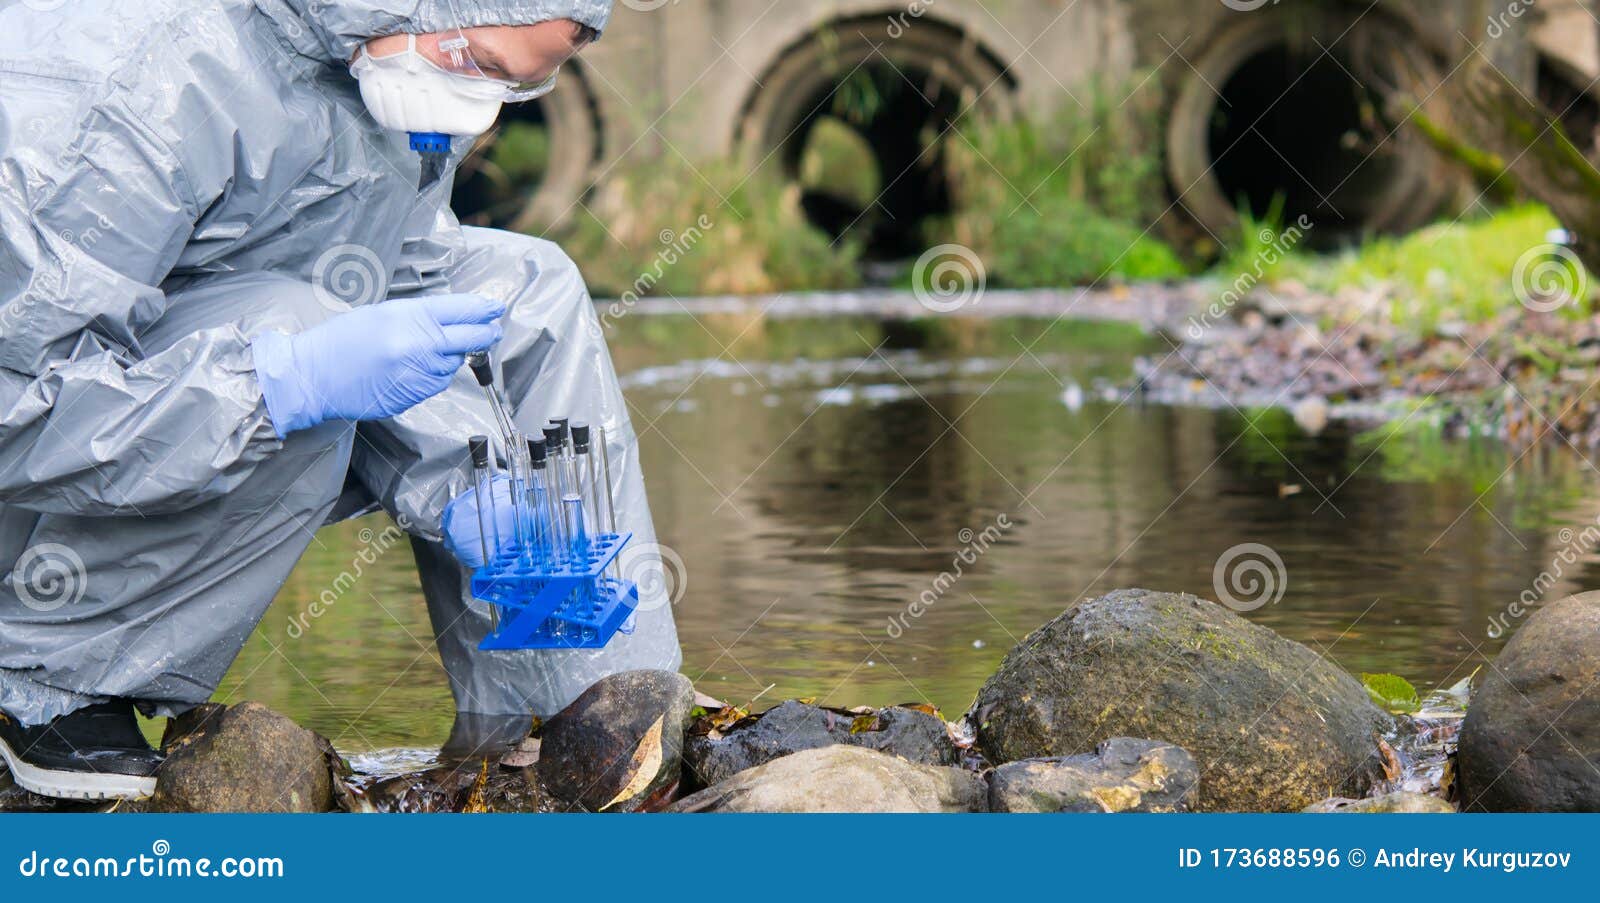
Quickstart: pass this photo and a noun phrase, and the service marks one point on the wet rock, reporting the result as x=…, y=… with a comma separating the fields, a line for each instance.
x=1389, y=803
x=789, y=727
x=840, y=778
x=479, y=786
x=247, y=758
x=1273, y=725
x=1122, y=775
x=1532, y=733
x=619, y=746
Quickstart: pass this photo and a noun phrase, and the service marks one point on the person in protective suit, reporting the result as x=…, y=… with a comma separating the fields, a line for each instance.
x=234, y=306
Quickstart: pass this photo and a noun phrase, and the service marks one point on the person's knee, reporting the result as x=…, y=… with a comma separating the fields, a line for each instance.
x=515, y=268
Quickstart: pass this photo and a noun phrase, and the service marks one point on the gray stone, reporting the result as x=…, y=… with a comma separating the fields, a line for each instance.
x=842, y=778
x=789, y=727
x=1531, y=739
x=1273, y=725
x=247, y=758
x=619, y=746
x=1389, y=803
x=1122, y=775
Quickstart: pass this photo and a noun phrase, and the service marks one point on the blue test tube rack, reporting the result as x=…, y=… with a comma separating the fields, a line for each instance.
x=573, y=605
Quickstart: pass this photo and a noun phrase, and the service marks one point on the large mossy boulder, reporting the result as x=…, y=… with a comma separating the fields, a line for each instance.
x=1122, y=775
x=247, y=758
x=1274, y=726
x=842, y=779
x=619, y=746
x=789, y=727
x=1531, y=739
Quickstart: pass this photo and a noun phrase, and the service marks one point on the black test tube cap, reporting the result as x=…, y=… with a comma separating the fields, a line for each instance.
x=478, y=447
x=482, y=369
x=580, y=438
x=552, y=436
x=536, y=453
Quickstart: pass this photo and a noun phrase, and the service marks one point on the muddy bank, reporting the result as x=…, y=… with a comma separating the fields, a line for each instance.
x=1523, y=376
x=1110, y=707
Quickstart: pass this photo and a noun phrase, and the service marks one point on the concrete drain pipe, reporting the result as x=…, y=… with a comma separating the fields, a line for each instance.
x=1273, y=112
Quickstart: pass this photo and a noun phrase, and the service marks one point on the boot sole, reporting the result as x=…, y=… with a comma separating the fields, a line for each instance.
x=75, y=785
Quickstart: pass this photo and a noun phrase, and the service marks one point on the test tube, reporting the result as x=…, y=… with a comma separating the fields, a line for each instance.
x=538, y=501
x=611, y=507
x=517, y=459
x=577, y=498
x=488, y=524
x=483, y=484
x=583, y=464
x=558, y=490
x=483, y=370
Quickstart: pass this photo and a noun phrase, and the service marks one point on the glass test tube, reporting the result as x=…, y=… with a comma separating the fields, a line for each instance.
x=537, y=500
x=488, y=524
x=483, y=370
x=483, y=483
x=557, y=489
x=611, y=507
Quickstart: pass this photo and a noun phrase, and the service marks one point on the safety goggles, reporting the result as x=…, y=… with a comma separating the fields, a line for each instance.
x=455, y=54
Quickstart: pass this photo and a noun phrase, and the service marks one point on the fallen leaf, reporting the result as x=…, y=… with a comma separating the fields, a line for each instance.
x=1391, y=762
x=865, y=723
x=645, y=765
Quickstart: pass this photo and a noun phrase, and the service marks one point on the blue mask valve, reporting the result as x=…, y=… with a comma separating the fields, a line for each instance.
x=430, y=142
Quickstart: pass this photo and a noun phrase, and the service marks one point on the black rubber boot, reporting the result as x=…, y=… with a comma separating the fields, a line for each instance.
x=94, y=753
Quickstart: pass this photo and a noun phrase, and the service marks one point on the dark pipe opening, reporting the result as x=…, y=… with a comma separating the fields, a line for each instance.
x=497, y=181
x=896, y=123
x=1295, y=127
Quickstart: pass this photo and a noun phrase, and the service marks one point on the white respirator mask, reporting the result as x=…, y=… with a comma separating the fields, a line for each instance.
x=408, y=92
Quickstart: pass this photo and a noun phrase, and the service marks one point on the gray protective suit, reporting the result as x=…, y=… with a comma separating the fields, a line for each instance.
x=177, y=176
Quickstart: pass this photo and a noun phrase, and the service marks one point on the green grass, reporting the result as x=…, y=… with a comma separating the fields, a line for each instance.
x=667, y=228
x=1064, y=201
x=1452, y=271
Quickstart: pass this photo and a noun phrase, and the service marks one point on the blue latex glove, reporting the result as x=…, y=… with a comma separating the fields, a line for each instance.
x=373, y=362
x=460, y=523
